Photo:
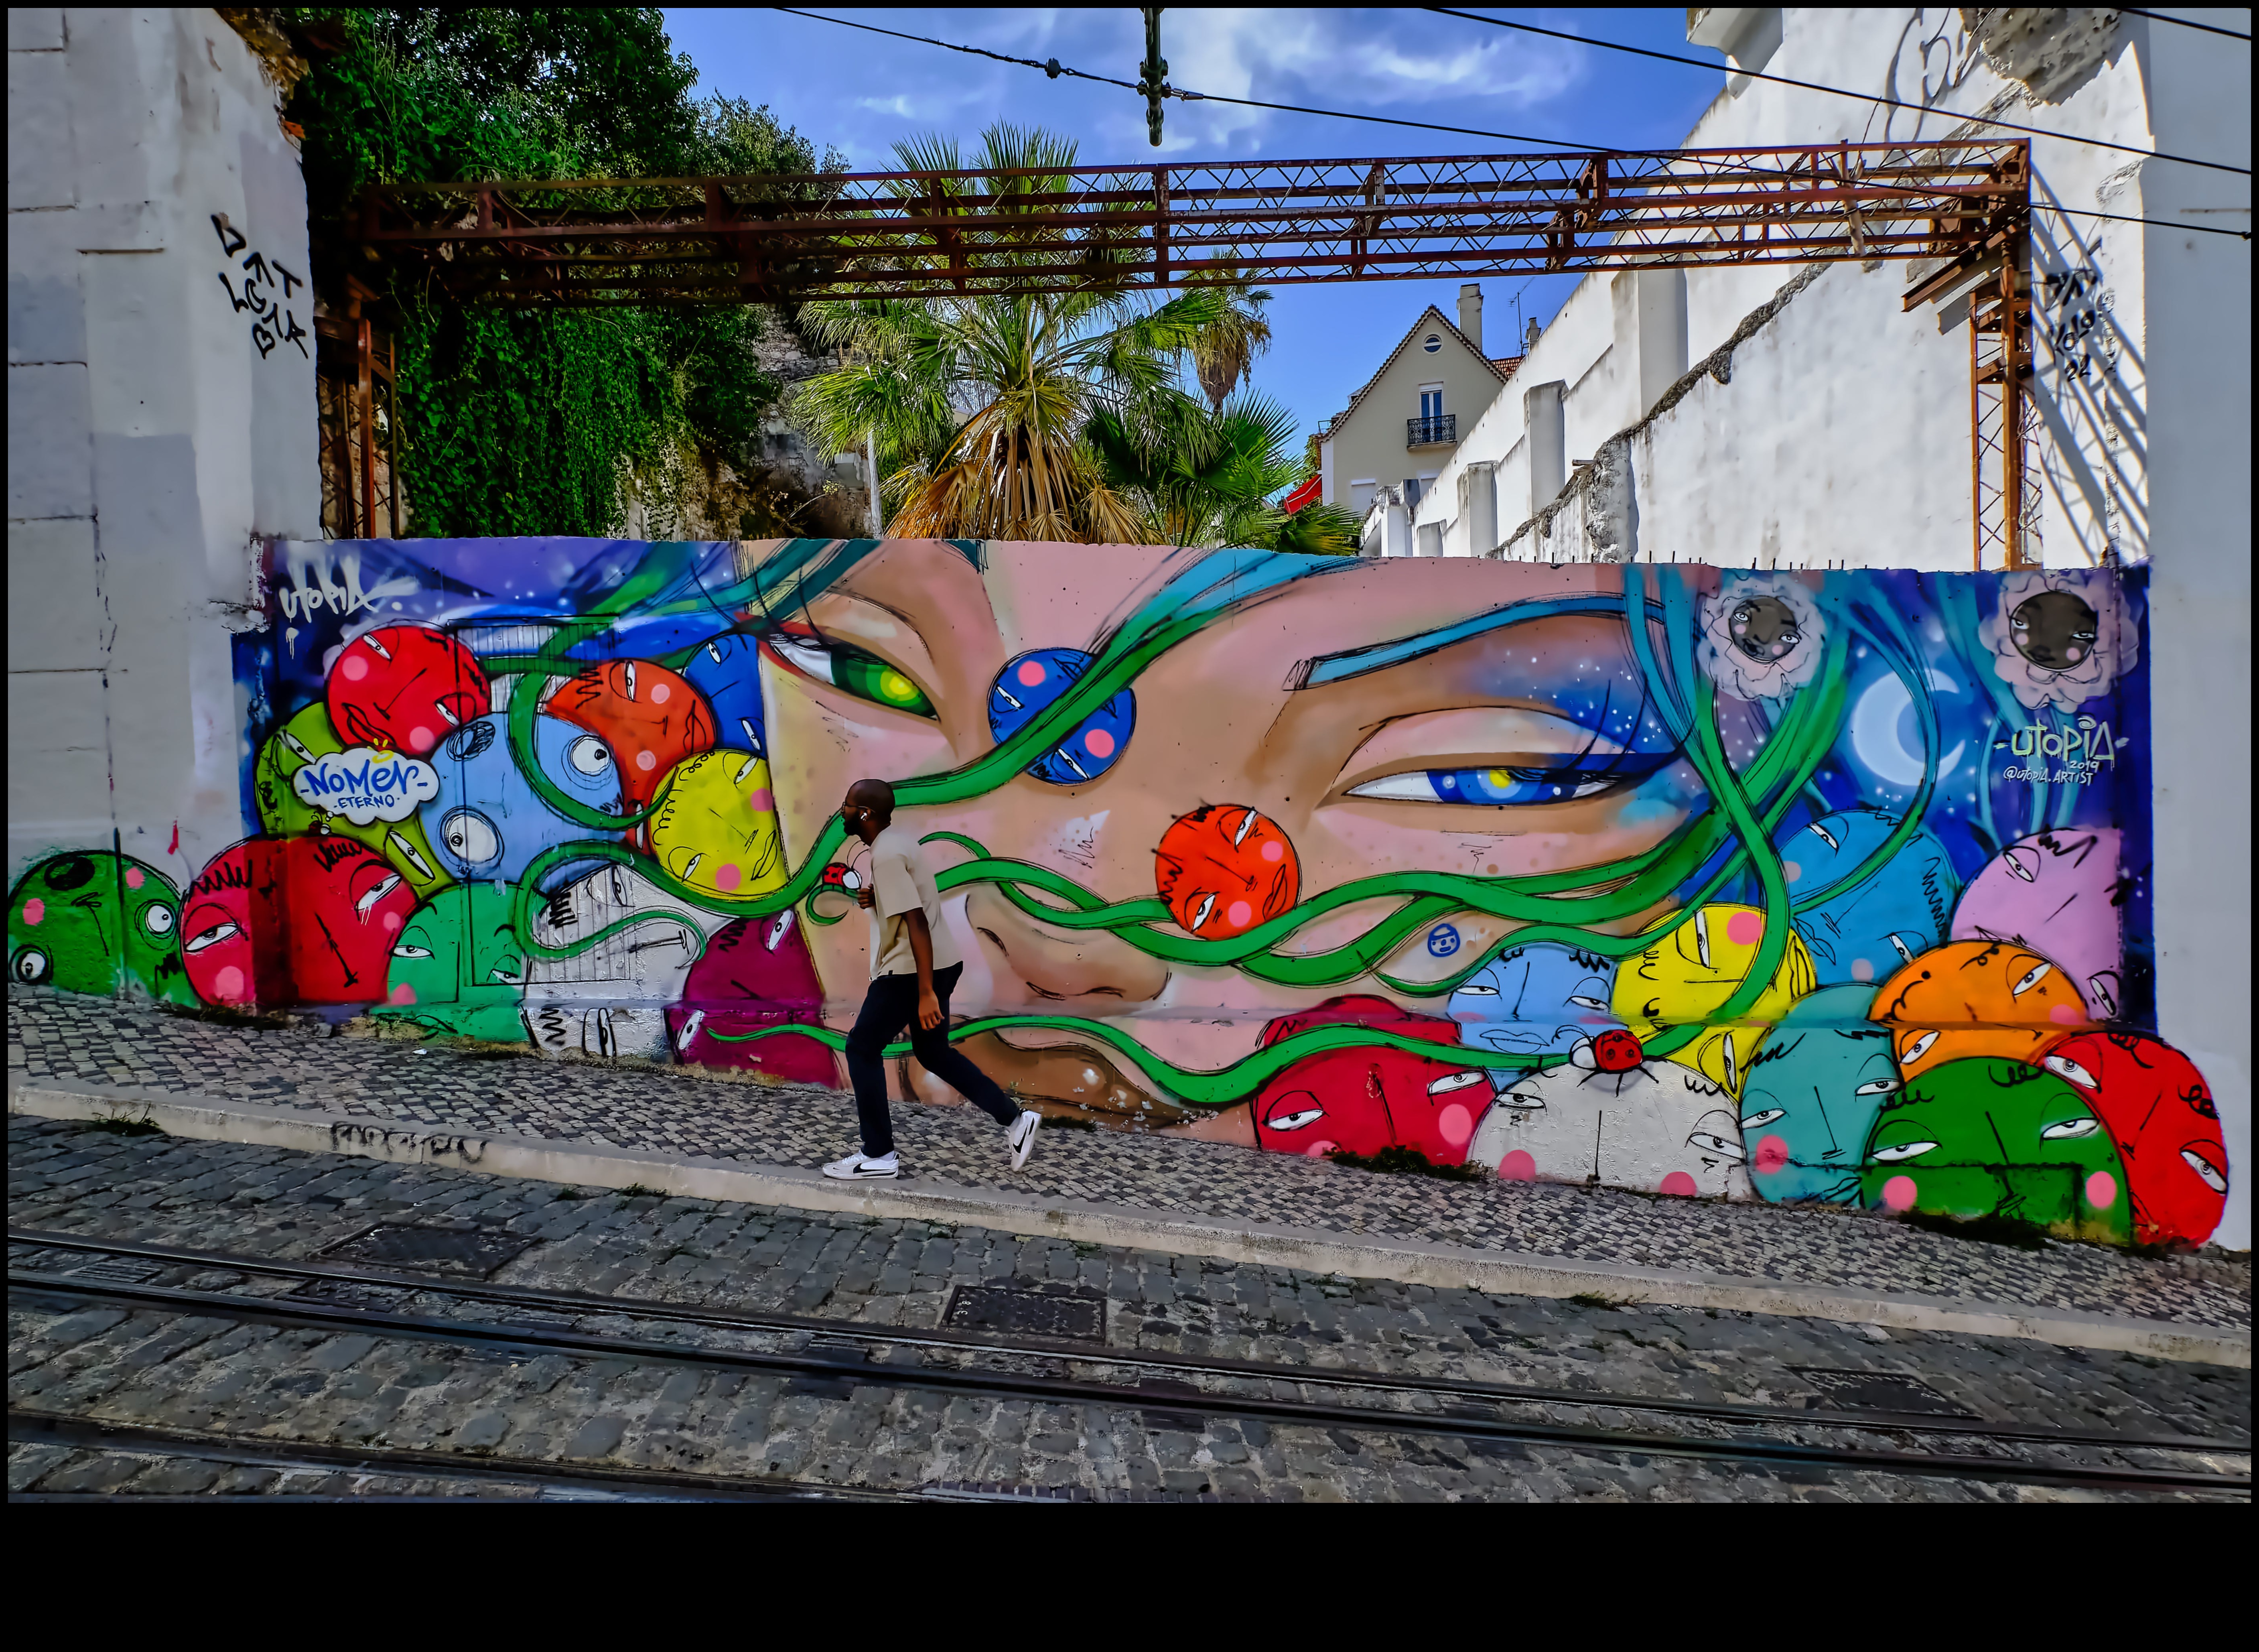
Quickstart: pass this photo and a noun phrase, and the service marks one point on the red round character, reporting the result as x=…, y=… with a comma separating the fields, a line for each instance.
x=405, y=688
x=1363, y=1099
x=755, y=974
x=650, y=717
x=231, y=927
x=2160, y=1114
x=301, y=920
x=347, y=906
x=1225, y=868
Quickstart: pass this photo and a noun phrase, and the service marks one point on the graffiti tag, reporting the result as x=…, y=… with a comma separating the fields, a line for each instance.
x=272, y=323
x=365, y=784
x=2086, y=749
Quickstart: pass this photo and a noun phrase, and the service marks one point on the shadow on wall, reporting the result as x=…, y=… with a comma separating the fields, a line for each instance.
x=1826, y=886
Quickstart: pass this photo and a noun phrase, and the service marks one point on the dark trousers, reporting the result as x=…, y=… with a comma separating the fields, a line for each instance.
x=890, y=1005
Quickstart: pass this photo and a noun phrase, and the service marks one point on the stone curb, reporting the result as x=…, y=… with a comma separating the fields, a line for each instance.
x=1516, y=1273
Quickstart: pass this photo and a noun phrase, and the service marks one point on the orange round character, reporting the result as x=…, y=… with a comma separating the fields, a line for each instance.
x=1977, y=998
x=1225, y=868
x=650, y=716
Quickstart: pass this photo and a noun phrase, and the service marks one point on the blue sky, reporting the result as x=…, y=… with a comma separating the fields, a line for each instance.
x=860, y=93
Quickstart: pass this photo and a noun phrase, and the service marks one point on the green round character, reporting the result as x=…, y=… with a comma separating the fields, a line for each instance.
x=98, y=923
x=1992, y=1137
x=456, y=967
x=283, y=813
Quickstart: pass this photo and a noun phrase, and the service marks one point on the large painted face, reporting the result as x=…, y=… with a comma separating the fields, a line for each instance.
x=755, y=974
x=727, y=671
x=1989, y=1138
x=488, y=823
x=1657, y=1125
x=650, y=717
x=717, y=829
x=1687, y=976
x=1364, y=1099
x=1536, y=1000
x=1818, y=1078
x=2160, y=1115
x=2059, y=894
x=1224, y=869
x=456, y=967
x=405, y=688
x=1342, y=707
x=1863, y=932
x=1976, y=998
x=99, y=923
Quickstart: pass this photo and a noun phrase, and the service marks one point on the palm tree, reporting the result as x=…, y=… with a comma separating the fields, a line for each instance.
x=1210, y=477
x=1223, y=356
x=979, y=402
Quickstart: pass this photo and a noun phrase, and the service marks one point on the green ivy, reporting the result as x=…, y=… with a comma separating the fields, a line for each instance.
x=535, y=422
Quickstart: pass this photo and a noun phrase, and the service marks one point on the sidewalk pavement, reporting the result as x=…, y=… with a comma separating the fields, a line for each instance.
x=682, y=1130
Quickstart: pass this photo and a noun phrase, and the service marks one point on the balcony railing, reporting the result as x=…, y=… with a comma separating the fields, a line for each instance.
x=1430, y=432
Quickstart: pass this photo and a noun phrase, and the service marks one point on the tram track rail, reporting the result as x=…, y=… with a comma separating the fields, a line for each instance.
x=849, y=1354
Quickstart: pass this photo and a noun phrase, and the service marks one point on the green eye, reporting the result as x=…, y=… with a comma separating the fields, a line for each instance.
x=866, y=676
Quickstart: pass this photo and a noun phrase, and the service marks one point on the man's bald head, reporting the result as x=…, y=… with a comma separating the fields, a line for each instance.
x=875, y=795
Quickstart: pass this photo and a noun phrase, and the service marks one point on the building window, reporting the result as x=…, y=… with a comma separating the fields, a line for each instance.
x=1431, y=344
x=1431, y=400
x=1360, y=495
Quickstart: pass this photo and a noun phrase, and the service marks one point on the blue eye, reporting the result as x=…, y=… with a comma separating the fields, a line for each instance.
x=1518, y=784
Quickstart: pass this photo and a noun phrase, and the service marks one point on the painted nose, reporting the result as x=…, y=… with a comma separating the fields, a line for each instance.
x=1054, y=963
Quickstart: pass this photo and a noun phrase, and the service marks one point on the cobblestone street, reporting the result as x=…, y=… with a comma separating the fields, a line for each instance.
x=152, y=1368
x=682, y=1113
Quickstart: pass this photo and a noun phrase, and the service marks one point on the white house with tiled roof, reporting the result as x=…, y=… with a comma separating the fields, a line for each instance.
x=1402, y=426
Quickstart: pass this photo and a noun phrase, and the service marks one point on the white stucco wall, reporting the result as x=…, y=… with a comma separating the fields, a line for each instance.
x=2195, y=336
x=150, y=443
x=1852, y=446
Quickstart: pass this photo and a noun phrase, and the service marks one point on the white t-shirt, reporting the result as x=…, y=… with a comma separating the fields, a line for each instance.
x=902, y=883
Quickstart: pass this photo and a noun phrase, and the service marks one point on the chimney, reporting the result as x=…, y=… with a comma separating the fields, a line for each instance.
x=1471, y=313
x=1529, y=339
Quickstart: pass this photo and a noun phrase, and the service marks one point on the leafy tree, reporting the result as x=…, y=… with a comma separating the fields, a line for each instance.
x=1211, y=477
x=1223, y=355
x=519, y=422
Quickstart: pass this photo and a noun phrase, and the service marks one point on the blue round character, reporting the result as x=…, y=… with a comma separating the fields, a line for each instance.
x=488, y=822
x=1861, y=932
x=727, y=669
x=1442, y=941
x=1033, y=681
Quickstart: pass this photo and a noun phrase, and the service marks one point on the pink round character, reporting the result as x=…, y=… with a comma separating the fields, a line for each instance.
x=2057, y=893
x=755, y=974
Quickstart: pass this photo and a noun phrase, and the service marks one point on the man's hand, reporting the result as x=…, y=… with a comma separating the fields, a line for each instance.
x=863, y=897
x=929, y=1009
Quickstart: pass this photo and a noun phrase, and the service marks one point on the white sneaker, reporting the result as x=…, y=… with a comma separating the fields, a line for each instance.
x=856, y=1168
x=1021, y=1137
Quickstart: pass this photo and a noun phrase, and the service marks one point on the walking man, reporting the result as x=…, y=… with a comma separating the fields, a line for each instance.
x=913, y=967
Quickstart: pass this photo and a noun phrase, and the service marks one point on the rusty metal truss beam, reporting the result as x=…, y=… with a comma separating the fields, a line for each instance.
x=945, y=234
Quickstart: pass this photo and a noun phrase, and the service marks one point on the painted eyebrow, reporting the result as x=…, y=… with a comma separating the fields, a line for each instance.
x=1317, y=672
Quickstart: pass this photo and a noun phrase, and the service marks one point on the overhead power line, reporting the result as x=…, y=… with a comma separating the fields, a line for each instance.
x=1055, y=69
x=2186, y=22
x=1837, y=91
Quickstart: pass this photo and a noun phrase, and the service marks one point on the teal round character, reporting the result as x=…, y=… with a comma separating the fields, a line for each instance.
x=1820, y=1075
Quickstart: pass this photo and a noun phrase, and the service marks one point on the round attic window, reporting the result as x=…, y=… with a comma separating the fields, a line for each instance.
x=1432, y=343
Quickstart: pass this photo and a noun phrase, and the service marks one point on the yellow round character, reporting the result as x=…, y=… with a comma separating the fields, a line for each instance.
x=717, y=830
x=1687, y=976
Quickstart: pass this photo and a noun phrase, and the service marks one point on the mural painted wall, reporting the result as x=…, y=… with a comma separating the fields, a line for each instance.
x=1823, y=886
